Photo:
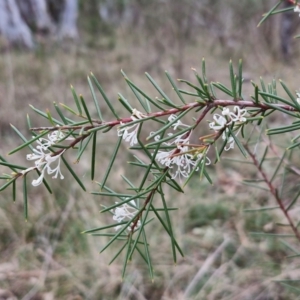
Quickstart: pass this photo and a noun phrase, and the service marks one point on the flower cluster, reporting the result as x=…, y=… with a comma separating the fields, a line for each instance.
x=125, y=212
x=227, y=118
x=44, y=158
x=180, y=160
x=129, y=132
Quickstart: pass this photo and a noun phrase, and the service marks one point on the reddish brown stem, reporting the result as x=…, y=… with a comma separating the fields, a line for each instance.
x=209, y=105
x=274, y=192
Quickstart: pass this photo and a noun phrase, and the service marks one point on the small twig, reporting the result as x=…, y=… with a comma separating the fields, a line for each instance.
x=274, y=192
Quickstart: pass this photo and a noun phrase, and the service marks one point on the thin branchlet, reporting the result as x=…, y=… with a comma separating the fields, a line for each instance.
x=274, y=193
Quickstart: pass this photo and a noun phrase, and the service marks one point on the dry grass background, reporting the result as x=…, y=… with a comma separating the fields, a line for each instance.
x=47, y=257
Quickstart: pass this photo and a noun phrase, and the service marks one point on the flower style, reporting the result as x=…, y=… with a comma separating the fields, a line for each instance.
x=44, y=158
x=131, y=136
x=125, y=212
x=297, y=9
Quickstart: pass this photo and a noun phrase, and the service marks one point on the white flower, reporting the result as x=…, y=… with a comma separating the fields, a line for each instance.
x=131, y=136
x=182, y=159
x=239, y=114
x=183, y=162
x=180, y=163
x=125, y=212
x=44, y=158
x=45, y=165
x=219, y=123
x=297, y=9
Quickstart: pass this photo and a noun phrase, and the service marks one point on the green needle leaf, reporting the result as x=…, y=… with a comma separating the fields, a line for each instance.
x=256, y=95
x=60, y=114
x=175, y=87
x=145, y=95
x=76, y=100
x=27, y=143
x=118, y=253
x=269, y=13
x=14, y=191
x=73, y=173
x=25, y=198
x=5, y=161
x=127, y=259
x=108, y=102
x=115, y=152
x=276, y=107
x=136, y=93
x=272, y=96
x=68, y=109
x=148, y=258
x=143, y=220
x=125, y=103
x=200, y=93
x=232, y=79
x=238, y=143
x=290, y=94
x=86, y=110
x=45, y=115
x=50, y=118
x=95, y=99
x=168, y=222
x=158, y=88
x=93, y=161
x=240, y=79
x=12, y=166
x=167, y=230
x=223, y=88
x=82, y=149
x=293, y=201
x=103, y=228
x=4, y=186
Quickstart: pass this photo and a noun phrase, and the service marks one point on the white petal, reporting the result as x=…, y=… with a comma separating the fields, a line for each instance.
x=38, y=181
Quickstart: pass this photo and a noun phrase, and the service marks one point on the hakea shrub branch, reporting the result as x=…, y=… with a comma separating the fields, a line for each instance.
x=182, y=155
x=210, y=105
x=173, y=156
x=138, y=116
